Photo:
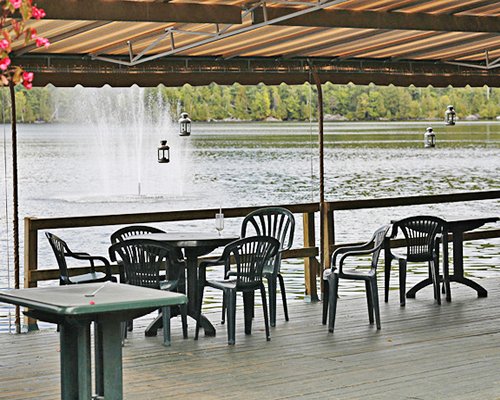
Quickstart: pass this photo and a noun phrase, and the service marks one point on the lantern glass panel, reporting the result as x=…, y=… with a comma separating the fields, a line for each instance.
x=163, y=152
x=184, y=125
x=450, y=116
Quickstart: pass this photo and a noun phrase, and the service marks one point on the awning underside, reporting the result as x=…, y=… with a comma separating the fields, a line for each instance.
x=122, y=42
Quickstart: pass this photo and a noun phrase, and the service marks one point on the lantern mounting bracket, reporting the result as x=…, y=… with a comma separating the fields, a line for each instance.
x=487, y=63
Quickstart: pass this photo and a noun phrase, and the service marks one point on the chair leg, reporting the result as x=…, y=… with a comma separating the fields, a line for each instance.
x=283, y=296
x=264, y=309
x=326, y=291
x=224, y=306
x=251, y=296
x=431, y=276
x=446, y=271
x=376, y=305
x=435, y=280
x=165, y=312
x=231, y=316
x=271, y=283
x=369, y=301
x=387, y=276
x=332, y=299
x=123, y=327
x=402, y=282
x=183, y=309
x=248, y=306
x=198, y=311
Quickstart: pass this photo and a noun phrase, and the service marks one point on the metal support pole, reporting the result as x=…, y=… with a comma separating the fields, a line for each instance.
x=15, y=221
x=322, y=205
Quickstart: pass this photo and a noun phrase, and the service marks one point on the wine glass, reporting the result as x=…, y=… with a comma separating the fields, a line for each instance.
x=219, y=222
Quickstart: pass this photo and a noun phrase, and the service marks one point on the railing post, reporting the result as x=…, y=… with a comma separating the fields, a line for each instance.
x=329, y=233
x=311, y=265
x=30, y=262
x=328, y=242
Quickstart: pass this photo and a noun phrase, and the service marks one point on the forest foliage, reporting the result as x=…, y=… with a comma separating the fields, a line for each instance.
x=283, y=102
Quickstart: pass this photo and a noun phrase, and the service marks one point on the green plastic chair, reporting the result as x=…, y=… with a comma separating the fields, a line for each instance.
x=142, y=260
x=128, y=232
x=337, y=271
x=62, y=251
x=244, y=261
x=278, y=223
x=423, y=237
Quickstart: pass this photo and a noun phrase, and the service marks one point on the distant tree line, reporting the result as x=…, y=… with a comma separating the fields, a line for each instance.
x=350, y=102
x=283, y=102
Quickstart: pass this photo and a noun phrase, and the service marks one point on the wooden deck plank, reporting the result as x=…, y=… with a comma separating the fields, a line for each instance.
x=424, y=351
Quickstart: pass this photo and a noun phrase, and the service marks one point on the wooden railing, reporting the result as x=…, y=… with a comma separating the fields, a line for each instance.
x=309, y=251
x=32, y=275
x=331, y=207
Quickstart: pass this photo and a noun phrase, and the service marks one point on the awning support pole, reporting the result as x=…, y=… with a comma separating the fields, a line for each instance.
x=15, y=229
x=322, y=205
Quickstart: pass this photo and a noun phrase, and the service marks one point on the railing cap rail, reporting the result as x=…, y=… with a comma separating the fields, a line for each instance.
x=123, y=219
x=412, y=200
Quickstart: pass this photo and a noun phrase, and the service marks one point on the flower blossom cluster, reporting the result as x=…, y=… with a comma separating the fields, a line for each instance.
x=14, y=16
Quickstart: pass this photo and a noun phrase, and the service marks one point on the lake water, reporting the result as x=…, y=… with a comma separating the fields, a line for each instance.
x=110, y=168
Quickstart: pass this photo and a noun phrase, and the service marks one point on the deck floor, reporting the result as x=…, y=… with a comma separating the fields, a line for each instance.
x=422, y=352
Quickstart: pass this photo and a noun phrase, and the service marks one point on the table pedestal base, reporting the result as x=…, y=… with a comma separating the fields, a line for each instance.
x=410, y=294
x=481, y=291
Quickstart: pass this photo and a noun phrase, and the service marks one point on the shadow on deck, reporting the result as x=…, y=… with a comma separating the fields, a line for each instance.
x=422, y=352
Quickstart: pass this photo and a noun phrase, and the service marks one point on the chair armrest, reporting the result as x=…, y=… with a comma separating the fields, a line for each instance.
x=348, y=249
x=169, y=285
x=80, y=254
x=346, y=252
x=211, y=263
x=91, y=259
x=202, y=271
x=354, y=253
x=437, y=242
x=394, y=230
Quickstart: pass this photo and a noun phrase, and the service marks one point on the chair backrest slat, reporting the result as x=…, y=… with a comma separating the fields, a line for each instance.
x=420, y=233
x=60, y=249
x=276, y=222
x=129, y=231
x=142, y=260
x=378, y=244
x=249, y=256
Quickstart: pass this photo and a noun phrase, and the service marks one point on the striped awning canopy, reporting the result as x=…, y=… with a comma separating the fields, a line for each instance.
x=148, y=42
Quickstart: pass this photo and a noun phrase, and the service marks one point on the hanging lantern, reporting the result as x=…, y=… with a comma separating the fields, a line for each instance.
x=163, y=152
x=429, y=138
x=450, y=116
x=184, y=125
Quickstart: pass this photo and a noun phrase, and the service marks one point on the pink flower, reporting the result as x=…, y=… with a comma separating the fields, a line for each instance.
x=27, y=79
x=4, y=44
x=4, y=63
x=41, y=41
x=16, y=3
x=37, y=13
x=28, y=76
